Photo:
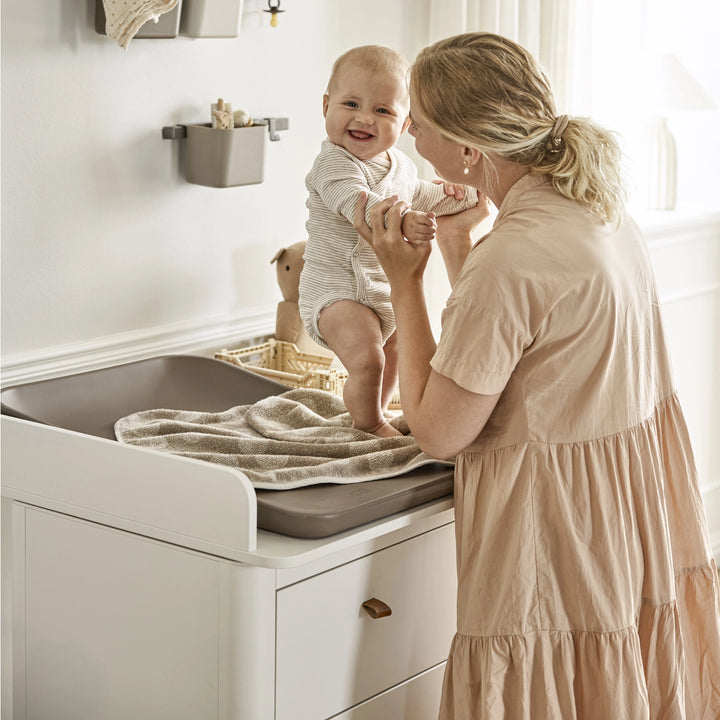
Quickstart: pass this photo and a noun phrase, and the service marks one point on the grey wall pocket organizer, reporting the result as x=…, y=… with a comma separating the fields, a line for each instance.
x=167, y=26
x=211, y=18
x=194, y=18
x=226, y=157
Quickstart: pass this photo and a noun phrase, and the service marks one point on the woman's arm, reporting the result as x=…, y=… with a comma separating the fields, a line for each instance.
x=454, y=236
x=443, y=417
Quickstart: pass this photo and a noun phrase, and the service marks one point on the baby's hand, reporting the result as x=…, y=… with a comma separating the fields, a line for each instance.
x=418, y=227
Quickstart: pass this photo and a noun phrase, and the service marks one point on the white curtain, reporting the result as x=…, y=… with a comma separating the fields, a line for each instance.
x=598, y=56
x=547, y=28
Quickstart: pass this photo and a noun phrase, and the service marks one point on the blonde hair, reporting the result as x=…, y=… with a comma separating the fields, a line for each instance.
x=489, y=93
x=375, y=58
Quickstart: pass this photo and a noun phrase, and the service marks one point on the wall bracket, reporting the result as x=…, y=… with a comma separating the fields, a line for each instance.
x=274, y=126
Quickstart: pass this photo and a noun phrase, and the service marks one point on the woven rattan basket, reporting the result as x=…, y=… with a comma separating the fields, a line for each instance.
x=283, y=362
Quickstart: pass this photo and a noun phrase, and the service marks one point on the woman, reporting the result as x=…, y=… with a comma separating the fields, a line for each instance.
x=586, y=586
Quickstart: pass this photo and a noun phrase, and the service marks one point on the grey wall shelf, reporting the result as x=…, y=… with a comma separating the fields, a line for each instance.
x=226, y=158
x=193, y=18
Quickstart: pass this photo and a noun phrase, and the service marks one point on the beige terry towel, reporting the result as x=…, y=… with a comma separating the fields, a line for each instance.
x=123, y=18
x=302, y=437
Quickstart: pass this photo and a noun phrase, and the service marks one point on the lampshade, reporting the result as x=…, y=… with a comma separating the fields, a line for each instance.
x=674, y=88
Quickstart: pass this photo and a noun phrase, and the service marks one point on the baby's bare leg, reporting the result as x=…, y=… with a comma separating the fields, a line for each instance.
x=352, y=332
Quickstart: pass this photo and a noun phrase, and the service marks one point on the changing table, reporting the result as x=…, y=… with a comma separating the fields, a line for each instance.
x=138, y=585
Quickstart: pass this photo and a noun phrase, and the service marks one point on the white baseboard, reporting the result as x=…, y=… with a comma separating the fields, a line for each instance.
x=194, y=336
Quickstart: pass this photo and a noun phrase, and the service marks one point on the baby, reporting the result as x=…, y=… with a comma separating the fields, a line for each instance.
x=344, y=294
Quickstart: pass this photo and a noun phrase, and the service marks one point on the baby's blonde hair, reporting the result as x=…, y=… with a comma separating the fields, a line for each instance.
x=375, y=58
x=487, y=92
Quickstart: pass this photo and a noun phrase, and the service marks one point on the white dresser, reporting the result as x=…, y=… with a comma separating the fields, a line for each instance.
x=123, y=600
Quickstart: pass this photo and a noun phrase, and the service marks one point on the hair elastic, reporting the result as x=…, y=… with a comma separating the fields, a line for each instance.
x=558, y=128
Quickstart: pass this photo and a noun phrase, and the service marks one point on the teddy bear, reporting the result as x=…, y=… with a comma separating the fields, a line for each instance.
x=288, y=325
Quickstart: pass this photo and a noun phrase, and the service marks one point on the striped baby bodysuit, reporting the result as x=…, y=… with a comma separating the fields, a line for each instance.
x=339, y=264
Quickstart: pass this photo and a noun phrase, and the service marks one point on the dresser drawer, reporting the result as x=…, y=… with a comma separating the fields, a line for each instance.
x=416, y=699
x=331, y=654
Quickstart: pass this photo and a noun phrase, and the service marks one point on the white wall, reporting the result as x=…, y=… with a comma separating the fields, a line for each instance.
x=685, y=251
x=107, y=250
x=102, y=238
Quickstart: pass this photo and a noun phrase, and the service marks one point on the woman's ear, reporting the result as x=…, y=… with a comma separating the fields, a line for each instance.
x=471, y=156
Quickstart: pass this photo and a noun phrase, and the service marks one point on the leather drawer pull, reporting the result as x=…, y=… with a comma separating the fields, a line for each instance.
x=377, y=608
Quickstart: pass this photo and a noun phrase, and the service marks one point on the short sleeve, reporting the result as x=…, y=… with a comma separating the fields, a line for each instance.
x=478, y=350
x=488, y=320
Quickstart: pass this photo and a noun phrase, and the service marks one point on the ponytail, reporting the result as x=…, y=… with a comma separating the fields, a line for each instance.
x=487, y=92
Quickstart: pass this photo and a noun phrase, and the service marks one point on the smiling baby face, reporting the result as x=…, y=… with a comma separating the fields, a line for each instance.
x=365, y=108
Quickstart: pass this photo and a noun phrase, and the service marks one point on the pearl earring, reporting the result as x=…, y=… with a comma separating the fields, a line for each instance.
x=466, y=169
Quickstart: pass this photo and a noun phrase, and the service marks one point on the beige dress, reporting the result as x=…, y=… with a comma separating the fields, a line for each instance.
x=586, y=585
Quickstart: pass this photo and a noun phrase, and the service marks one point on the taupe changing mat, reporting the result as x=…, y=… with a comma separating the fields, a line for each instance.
x=92, y=402
x=299, y=438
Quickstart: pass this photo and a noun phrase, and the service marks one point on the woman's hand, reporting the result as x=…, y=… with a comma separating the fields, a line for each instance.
x=399, y=259
x=456, y=191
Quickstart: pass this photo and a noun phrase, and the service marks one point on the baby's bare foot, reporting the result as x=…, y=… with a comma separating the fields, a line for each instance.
x=385, y=429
